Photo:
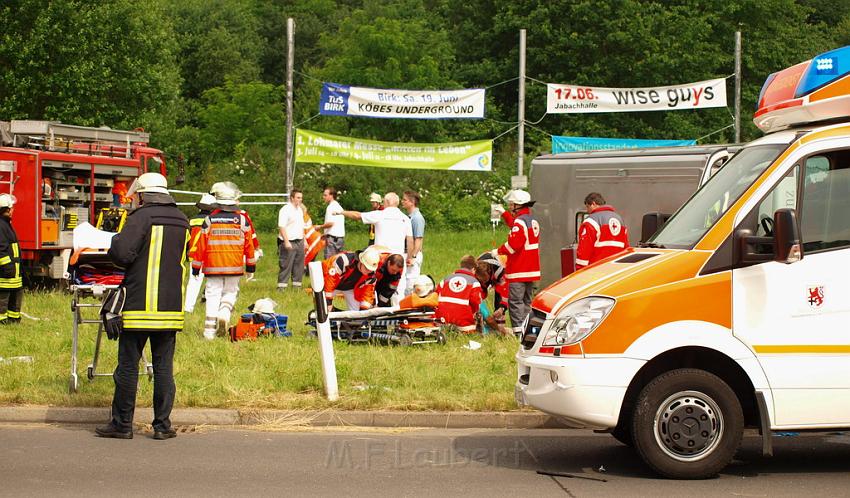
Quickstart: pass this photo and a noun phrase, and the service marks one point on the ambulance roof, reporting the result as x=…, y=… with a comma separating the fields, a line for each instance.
x=811, y=91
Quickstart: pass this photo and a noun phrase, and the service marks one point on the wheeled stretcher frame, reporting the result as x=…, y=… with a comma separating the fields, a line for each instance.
x=81, y=292
x=386, y=325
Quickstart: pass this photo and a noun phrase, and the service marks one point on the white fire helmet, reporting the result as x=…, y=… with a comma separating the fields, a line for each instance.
x=370, y=258
x=7, y=200
x=226, y=193
x=517, y=197
x=423, y=285
x=264, y=305
x=148, y=183
x=207, y=201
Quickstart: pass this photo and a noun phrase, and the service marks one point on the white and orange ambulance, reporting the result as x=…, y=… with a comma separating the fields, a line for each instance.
x=736, y=313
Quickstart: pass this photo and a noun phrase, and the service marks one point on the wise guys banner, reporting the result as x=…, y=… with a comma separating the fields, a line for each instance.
x=315, y=147
x=562, y=99
x=344, y=100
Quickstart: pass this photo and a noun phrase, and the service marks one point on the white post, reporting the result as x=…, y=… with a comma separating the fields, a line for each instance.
x=323, y=330
x=521, y=108
x=738, y=87
x=290, y=67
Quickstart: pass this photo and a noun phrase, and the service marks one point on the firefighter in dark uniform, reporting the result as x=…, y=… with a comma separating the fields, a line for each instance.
x=152, y=250
x=11, y=292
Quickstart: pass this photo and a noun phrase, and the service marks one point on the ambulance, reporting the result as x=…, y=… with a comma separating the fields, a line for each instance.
x=735, y=314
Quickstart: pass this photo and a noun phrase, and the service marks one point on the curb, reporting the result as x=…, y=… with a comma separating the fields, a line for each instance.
x=291, y=418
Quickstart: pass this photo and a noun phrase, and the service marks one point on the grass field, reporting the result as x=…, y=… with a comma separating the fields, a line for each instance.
x=274, y=372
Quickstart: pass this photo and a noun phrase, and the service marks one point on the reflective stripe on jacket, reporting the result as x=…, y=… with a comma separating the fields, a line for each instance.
x=10, y=256
x=459, y=296
x=522, y=248
x=152, y=249
x=342, y=273
x=225, y=245
x=601, y=234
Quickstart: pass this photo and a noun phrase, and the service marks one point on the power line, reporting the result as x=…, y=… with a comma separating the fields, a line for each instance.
x=715, y=131
x=500, y=135
x=314, y=116
x=501, y=83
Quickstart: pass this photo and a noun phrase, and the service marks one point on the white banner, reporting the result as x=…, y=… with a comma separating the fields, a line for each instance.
x=564, y=99
x=344, y=100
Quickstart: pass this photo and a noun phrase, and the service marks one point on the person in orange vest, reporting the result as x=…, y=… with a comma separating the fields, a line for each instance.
x=224, y=251
x=353, y=274
x=460, y=296
x=601, y=234
x=193, y=286
x=523, y=265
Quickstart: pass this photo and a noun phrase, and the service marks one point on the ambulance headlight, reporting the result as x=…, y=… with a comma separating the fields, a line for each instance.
x=577, y=320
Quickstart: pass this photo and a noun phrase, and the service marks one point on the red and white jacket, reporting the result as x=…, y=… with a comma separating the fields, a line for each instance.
x=459, y=296
x=342, y=273
x=522, y=248
x=601, y=234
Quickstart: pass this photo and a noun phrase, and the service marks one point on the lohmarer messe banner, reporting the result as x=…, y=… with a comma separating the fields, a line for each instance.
x=344, y=100
x=564, y=99
x=315, y=147
x=578, y=144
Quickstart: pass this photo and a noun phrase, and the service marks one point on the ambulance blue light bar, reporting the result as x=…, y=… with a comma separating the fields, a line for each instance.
x=808, y=92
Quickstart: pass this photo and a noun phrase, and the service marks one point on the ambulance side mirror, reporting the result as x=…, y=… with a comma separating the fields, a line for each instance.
x=787, y=247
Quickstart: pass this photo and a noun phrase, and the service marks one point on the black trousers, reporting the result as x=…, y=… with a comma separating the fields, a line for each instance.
x=10, y=304
x=126, y=376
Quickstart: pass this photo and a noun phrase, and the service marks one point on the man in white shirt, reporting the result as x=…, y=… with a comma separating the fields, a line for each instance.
x=392, y=229
x=334, y=225
x=290, y=241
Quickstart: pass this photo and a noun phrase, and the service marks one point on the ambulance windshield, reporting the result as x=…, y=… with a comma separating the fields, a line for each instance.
x=687, y=226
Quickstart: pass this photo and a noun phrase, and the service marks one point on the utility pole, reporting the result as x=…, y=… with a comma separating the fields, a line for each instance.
x=521, y=181
x=737, y=87
x=290, y=66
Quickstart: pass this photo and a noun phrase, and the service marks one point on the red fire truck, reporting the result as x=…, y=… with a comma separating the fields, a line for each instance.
x=63, y=175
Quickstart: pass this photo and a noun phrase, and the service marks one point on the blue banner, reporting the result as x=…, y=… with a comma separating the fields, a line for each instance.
x=579, y=144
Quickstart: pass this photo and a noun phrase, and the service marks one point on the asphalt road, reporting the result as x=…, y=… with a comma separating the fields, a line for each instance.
x=70, y=461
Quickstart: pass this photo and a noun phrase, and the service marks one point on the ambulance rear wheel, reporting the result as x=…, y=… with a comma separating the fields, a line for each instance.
x=687, y=424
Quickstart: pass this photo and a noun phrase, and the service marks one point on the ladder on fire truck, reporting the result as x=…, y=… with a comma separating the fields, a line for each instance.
x=57, y=137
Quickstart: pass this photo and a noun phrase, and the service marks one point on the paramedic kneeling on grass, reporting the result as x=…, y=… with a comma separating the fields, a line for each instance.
x=460, y=296
x=354, y=275
x=152, y=250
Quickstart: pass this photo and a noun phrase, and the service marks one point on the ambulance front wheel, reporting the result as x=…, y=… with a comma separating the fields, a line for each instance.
x=687, y=424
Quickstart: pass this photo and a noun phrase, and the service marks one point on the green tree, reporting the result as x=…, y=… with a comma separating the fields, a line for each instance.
x=219, y=41
x=88, y=63
x=240, y=115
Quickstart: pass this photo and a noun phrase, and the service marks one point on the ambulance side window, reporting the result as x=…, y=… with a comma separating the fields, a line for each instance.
x=825, y=210
x=783, y=195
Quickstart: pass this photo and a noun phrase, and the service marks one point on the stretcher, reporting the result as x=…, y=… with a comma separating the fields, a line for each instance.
x=91, y=274
x=411, y=322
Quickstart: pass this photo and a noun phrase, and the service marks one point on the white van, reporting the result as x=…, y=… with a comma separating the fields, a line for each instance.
x=735, y=314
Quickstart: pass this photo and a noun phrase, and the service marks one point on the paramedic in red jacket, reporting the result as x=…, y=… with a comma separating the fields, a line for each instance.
x=601, y=234
x=523, y=265
x=459, y=296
